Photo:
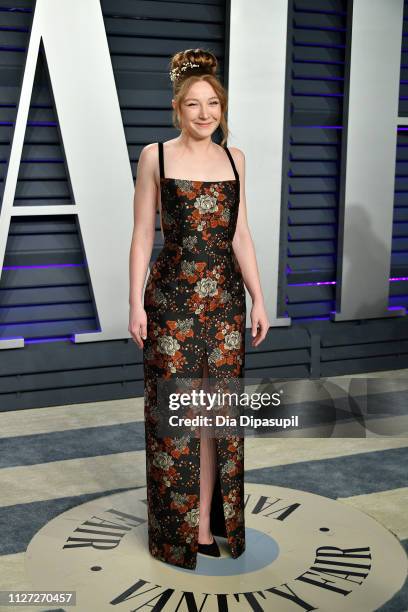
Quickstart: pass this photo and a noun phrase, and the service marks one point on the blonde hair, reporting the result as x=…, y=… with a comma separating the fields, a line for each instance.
x=207, y=65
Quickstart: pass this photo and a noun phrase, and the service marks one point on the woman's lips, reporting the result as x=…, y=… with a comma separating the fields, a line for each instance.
x=204, y=124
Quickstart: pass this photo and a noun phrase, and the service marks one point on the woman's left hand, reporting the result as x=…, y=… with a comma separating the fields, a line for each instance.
x=260, y=323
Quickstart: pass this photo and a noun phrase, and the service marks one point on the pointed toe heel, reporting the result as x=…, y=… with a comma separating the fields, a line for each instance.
x=211, y=550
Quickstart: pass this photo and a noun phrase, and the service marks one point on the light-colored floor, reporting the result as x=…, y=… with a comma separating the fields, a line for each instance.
x=55, y=478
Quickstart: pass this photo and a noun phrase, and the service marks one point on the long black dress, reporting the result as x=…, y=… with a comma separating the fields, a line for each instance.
x=195, y=304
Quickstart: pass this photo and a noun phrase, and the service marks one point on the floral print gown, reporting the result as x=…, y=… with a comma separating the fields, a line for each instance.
x=195, y=304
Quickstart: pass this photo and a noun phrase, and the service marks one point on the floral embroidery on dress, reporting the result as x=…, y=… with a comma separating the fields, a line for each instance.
x=195, y=304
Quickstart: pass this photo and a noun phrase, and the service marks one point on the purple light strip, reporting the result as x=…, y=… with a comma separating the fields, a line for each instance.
x=52, y=338
x=31, y=323
x=44, y=266
x=332, y=311
x=42, y=340
x=320, y=127
x=310, y=318
x=311, y=284
x=393, y=279
x=11, y=48
x=60, y=338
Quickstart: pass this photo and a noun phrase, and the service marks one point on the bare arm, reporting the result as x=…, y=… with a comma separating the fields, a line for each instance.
x=245, y=253
x=144, y=206
x=242, y=243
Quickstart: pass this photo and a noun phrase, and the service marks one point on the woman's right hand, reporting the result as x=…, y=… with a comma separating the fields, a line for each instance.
x=138, y=324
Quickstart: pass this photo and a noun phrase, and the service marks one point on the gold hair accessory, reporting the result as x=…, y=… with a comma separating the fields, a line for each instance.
x=176, y=72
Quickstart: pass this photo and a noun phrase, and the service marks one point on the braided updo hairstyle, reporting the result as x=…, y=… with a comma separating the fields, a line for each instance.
x=183, y=79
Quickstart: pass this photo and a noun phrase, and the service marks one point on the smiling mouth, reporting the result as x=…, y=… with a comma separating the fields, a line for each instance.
x=204, y=124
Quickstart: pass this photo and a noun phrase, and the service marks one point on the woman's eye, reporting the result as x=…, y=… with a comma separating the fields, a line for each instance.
x=212, y=103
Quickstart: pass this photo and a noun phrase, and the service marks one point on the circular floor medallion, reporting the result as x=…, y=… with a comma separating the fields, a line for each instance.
x=303, y=552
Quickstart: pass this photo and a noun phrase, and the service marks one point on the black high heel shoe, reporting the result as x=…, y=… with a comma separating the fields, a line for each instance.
x=211, y=550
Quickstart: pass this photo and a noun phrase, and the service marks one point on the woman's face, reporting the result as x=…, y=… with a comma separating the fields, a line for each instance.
x=200, y=111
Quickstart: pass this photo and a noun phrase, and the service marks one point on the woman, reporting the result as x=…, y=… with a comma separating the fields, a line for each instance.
x=192, y=315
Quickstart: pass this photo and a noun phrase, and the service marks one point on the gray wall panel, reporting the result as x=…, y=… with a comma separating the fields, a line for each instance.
x=44, y=302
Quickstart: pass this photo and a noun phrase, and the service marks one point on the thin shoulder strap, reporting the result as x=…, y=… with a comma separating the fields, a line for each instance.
x=232, y=162
x=161, y=160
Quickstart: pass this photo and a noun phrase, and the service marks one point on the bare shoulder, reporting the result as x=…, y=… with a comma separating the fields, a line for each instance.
x=148, y=159
x=238, y=157
x=237, y=152
x=149, y=154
